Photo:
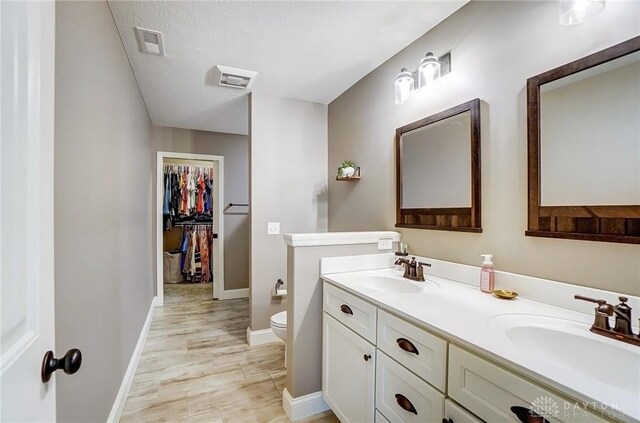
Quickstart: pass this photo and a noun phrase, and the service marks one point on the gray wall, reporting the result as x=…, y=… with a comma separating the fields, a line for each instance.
x=235, y=149
x=488, y=65
x=104, y=284
x=288, y=185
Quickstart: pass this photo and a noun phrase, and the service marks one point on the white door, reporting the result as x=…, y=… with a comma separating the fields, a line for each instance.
x=27, y=31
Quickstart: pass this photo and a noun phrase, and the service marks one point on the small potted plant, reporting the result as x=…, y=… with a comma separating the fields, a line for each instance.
x=347, y=169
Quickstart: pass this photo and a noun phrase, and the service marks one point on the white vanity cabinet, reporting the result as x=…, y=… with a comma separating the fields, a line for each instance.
x=380, y=368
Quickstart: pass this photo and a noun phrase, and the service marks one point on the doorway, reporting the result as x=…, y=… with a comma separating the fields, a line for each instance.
x=189, y=227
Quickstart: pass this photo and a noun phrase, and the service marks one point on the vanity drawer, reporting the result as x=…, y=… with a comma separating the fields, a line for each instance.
x=380, y=418
x=490, y=391
x=358, y=315
x=456, y=414
x=418, y=350
x=402, y=396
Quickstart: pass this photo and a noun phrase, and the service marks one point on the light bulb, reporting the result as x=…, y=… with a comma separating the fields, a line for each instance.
x=573, y=12
x=404, y=86
x=429, y=70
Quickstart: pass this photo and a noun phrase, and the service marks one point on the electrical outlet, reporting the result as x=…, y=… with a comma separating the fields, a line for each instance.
x=385, y=244
x=273, y=228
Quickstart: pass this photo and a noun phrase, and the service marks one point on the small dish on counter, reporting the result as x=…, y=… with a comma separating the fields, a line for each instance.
x=505, y=294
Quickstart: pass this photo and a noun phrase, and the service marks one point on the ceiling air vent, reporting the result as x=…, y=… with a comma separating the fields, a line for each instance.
x=234, y=78
x=150, y=41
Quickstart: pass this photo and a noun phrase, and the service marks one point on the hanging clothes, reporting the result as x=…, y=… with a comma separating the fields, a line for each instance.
x=188, y=192
x=197, y=257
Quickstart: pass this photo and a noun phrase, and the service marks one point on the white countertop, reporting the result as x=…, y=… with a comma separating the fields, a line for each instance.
x=466, y=316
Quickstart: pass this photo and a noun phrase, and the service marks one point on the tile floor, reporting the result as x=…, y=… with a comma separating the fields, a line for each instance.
x=196, y=366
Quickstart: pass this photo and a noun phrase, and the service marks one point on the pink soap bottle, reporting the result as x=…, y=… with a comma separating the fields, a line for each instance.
x=487, y=275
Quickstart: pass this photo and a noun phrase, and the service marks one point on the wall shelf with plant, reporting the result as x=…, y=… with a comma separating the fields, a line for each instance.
x=348, y=171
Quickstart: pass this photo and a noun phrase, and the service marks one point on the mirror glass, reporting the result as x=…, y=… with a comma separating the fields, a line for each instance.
x=436, y=164
x=590, y=136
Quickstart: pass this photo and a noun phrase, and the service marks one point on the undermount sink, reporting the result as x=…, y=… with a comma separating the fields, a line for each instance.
x=571, y=345
x=389, y=284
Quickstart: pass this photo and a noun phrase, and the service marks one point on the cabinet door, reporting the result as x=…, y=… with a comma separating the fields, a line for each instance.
x=348, y=372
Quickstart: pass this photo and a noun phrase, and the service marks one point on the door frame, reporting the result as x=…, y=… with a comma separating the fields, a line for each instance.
x=218, y=284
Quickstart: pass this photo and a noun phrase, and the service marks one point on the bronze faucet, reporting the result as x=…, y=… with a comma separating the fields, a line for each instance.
x=622, y=329
x=413, y=269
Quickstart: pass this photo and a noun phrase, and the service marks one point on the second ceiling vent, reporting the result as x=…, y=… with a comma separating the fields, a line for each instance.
x=235, y=78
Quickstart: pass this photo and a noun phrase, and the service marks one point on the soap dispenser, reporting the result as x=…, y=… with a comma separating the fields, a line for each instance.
x=487, y=275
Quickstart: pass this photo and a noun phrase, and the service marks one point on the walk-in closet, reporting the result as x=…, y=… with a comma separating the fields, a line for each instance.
x=189, y=193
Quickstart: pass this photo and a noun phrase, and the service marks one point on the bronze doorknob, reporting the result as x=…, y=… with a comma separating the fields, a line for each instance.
x=70, y=363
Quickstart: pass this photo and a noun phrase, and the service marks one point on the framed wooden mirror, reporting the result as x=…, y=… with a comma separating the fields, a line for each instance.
x=584, y=148
x=438, y=171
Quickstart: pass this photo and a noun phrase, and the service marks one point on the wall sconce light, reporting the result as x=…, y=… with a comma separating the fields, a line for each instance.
x=430, y=69
x=404, y=86
x=573, y=12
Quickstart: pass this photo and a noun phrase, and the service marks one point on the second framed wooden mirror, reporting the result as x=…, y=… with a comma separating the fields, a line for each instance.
x=438, y=171
x=584, y=148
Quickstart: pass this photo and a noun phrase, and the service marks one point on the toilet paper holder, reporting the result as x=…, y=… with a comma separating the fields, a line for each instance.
x=281, y=292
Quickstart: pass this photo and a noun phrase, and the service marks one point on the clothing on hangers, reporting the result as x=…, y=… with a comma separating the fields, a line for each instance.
x=188, y=194
x=197, y=257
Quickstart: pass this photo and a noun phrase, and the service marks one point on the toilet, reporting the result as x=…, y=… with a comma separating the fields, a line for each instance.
x=279, y=327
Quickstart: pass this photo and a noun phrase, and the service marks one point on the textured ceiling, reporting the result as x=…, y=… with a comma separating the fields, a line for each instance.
x=305, y=50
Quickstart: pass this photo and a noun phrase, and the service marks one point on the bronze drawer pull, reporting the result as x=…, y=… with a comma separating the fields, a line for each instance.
x=367, y=357
x=526, y=415
x=405, y=404
x=407, y=345
x=346, y=309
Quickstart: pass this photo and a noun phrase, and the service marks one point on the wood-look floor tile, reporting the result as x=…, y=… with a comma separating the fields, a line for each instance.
x=210, y=417
x=279, y=379
x=196, y=367
x=249, y=393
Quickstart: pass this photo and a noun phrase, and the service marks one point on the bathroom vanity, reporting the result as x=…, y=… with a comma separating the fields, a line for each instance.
x=396, y=350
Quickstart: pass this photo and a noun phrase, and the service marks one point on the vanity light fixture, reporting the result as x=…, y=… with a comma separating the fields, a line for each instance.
x=404, y=86
x=573, y=12
x=430, y=69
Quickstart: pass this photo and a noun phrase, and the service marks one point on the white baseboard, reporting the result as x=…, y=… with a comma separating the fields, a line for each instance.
x=127, y=380
x=302, y=407
x=230, y=294
x=259, y=337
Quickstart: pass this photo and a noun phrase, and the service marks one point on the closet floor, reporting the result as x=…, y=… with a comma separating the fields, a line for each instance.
x=176, y=293
x=196, y=366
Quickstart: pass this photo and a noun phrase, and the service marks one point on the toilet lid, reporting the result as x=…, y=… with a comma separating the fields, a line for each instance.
x=279, y=319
